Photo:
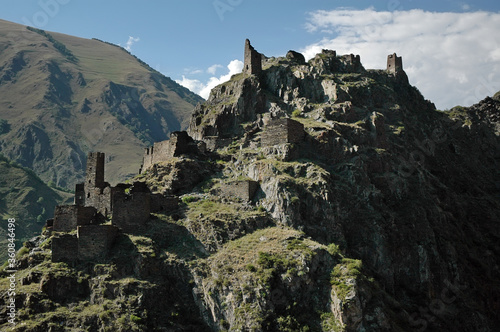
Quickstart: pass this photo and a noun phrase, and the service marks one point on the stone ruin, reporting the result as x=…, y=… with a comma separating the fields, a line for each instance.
x=282, y=131
x=179, y=143
x=128, y=205
x=242, y=189
x=394, y=63
x=252, y=64
x=253, y=60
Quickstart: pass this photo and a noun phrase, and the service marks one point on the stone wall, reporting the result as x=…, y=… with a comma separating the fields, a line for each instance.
x=68, y=217
x=64, y=248
x=179, y=143
x=281, y=131
x=94, y=191
x=131, y=211
x=80, y=194
x=94, y=242
x=100, y=198
x=252, y=60
x=352, y=61
x=244, y=190
x=94, y=175
x=394, y=63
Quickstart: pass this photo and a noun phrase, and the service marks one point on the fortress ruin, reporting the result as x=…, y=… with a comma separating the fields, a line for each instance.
x=252, y=64
x=179, y=143
x=394, y=63
x=128, y=205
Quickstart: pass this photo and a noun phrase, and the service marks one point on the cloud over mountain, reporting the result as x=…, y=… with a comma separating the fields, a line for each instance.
x=453, y=58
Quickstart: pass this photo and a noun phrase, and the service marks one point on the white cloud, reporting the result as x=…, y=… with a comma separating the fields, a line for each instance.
x=452, y=58
x=131, y=41
x=194, y=85
x=213, y=69
x=203, y=89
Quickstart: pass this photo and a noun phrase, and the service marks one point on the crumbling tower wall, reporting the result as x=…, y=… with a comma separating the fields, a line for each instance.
x=253, y=60
x=394, y=63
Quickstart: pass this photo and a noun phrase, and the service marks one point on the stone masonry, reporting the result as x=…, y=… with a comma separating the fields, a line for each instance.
x=394, y=63
x=94, y=191
x=95, y=200
x=245, y=189
x=65, y=248
x=281, y=131
x=68, y=217
x=179, y=143
x=131, y=210
x=94, y=242
x=252, y=64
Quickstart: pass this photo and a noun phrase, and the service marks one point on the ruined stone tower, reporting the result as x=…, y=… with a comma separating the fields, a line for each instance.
x=394, y=63
x=94, y=175
x=253, y=60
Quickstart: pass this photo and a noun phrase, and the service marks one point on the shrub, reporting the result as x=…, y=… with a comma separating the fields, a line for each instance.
x=189, y=199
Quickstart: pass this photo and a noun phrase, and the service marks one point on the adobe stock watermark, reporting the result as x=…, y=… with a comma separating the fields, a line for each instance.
x=11, y=270
x=486, y=86
x=420, y=320
x=223, y=6
x=48, y=9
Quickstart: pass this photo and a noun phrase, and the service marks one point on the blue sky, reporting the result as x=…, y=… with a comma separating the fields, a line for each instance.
x=199, y=43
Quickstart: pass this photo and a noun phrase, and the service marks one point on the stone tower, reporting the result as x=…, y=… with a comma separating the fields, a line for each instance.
x=253, y=60
x=394, y=63
x=94, y=176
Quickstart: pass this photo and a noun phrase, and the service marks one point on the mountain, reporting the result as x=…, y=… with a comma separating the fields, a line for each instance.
x=26, y=198
x=310, y=196
x=63, y=96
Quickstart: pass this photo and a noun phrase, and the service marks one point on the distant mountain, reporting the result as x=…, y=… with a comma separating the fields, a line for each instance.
x=24, y=197
x=63, y=96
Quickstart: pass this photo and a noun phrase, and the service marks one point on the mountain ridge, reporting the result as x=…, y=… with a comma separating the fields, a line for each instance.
x=80, y=94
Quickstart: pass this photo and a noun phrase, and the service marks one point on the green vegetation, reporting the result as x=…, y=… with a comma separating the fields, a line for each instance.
x=348, y=269
x=57, y=44
x=460, y=113
x=296, y=113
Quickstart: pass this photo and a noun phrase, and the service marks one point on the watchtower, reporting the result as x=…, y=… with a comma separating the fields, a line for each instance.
x=394, y=63
x=253, y=60
x=94, y=176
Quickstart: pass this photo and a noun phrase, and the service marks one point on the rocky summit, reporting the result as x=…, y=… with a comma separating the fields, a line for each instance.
x=305, y=196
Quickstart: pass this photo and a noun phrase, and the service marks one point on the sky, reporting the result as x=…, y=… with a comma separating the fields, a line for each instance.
x=450, y=48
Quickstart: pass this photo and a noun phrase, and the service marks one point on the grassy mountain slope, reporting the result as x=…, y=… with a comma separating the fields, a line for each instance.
x=63, y=96
x=26, y=198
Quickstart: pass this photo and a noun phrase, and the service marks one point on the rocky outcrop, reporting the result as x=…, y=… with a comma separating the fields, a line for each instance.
x=373, y=211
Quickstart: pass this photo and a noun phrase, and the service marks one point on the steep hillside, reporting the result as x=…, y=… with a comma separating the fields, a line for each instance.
x=63, y=96
x=26, y=198
x=317, y=196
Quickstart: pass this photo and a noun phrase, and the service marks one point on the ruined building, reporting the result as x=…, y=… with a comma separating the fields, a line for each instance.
x=94, y=191
x=128, y=205
x=253, y=60
x=179, y=143
x=281, y=131
x=394, y=63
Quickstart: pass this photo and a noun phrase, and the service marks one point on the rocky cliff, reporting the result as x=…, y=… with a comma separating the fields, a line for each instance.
x=376, y=212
